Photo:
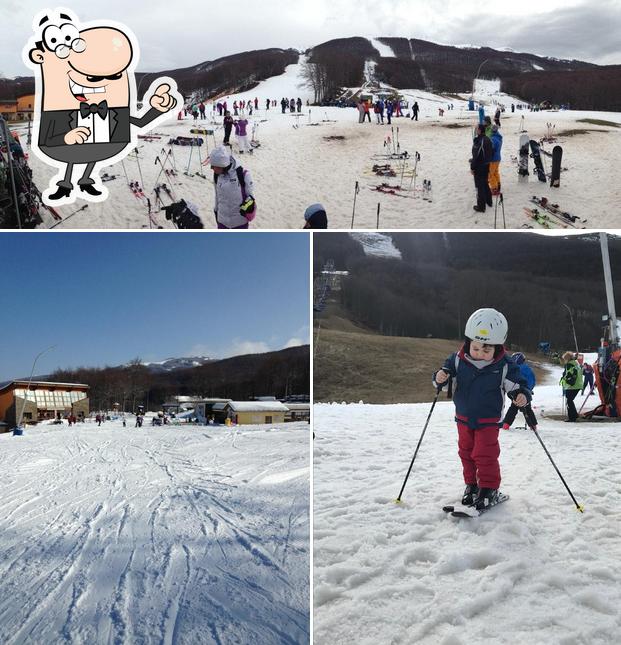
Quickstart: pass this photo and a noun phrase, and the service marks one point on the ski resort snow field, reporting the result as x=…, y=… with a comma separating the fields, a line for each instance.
x=532, y=571
x=173, y=534
x=320, y=154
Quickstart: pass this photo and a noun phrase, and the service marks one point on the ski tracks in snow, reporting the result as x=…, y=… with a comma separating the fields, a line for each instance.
x=154, y=536
x=531, y=571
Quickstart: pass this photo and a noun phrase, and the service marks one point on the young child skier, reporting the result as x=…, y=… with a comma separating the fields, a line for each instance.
x=483, y=373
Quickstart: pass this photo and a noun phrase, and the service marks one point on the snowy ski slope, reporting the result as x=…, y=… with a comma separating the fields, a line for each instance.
x=319, y=155
x=533, y=571
x=173, y=534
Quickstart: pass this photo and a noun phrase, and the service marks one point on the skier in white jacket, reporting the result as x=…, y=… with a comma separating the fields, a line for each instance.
x=235, y=206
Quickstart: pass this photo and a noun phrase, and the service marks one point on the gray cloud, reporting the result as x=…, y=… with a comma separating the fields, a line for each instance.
x=583, y=32
x=185, y=33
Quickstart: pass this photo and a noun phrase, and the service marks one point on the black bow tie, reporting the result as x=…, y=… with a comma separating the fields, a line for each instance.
x=87, y=109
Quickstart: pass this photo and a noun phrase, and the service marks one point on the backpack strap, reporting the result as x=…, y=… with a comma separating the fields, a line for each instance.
x=242, y=181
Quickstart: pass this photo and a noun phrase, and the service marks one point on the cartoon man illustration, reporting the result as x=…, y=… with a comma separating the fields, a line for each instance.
x=85, y=91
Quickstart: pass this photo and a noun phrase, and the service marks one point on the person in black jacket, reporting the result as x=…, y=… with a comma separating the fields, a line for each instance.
x=482, y=152
x=228, y=126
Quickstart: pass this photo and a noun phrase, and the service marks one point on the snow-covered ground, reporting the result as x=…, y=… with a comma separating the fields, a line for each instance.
x=321, y=154
x=172, y=534
x=385, y=51
x=532, y=571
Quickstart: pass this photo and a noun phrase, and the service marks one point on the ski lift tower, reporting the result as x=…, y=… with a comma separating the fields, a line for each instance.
x=613, y=332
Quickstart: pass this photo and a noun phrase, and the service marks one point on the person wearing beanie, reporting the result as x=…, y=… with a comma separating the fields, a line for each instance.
x=493, y=177
x=482, y=374
x=571, y=381
x=315, y=217
x=235, y=205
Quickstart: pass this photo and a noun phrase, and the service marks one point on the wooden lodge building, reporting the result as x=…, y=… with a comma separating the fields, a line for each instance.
x=41, y=400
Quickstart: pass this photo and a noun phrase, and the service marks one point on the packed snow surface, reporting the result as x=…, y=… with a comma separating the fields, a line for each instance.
x=533, y=570
x=320, y=154
x=377, y=244
x=385, y=51
x=171, y=534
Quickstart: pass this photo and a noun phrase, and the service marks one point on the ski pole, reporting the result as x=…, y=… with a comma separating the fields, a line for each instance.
x=502, y=205
x=353, y=214
x=529, y=415
x=187, y=171
x=378, y=213
x=433, y=405
x=414, y=174
x=585, y=400
x=70, y=215
x=158, y=160
x=139, y=170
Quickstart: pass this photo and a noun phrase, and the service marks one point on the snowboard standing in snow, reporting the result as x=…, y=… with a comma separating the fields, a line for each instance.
x=523, y=160
x=557, y=156
x=536, y=155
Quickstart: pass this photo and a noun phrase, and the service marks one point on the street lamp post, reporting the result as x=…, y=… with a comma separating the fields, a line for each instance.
x=571, y=318
x=21, y=416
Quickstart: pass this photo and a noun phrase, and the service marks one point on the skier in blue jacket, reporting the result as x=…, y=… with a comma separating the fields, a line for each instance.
x=482, y=374
x=529, y=376
x=493, y=176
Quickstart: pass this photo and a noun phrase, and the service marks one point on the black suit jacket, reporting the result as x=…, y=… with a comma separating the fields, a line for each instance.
x=56, y=123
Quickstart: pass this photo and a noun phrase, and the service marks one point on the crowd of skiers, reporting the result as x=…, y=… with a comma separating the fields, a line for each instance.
x=485, y=161
x=388, y=108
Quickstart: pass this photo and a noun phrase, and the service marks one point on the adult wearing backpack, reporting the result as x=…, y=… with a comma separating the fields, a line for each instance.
x=235, y=206
x=479, y=166
x=571, y=382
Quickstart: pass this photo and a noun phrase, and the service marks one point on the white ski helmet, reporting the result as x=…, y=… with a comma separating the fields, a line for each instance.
x=487, y=326
x=220, y=157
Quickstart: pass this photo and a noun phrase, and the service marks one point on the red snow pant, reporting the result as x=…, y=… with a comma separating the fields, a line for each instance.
x=479, y=451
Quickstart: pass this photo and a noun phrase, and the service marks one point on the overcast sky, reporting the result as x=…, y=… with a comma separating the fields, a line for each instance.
x=183, y=33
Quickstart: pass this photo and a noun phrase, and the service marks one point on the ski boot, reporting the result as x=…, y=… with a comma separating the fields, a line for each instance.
x=470, y=494
x=486, y=497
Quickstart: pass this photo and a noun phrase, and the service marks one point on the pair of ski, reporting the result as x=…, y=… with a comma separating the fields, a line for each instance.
x=397, y=157
x=166, y=189
x=543, y=219
x=134, y=186
x=388, y=189
x=554, y=209
x=140, y=196
x=459, y=510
